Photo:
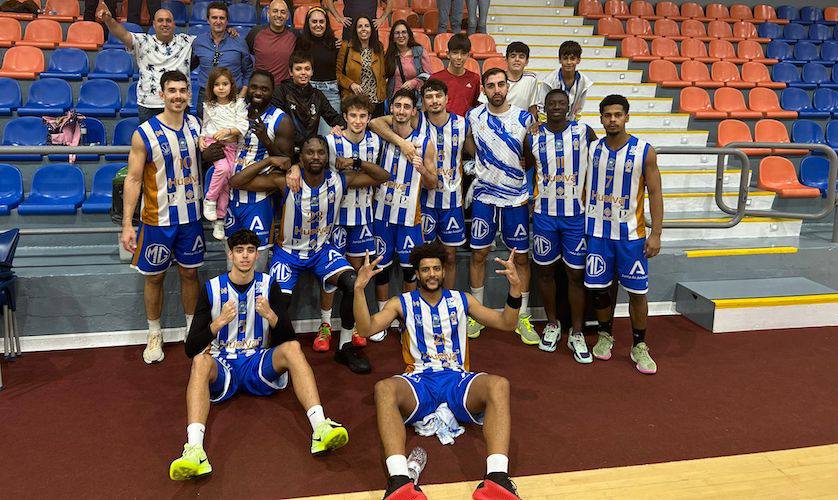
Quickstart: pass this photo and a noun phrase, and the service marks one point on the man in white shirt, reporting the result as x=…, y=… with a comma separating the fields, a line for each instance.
x=523, y=85
x=155, y=54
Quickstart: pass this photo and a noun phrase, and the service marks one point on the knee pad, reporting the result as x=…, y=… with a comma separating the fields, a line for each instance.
x=409, y=274
x=346, y=282
x=601, y=299
x=383, y=277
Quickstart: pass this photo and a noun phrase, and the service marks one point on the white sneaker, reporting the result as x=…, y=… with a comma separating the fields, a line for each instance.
x=378, y=337
x=209, y=210
x=550, y=337
x=218, y=229
x=153, y=352
x=576, y=343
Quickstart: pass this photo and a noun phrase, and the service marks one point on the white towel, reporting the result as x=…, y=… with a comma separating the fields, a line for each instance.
x=442, y=423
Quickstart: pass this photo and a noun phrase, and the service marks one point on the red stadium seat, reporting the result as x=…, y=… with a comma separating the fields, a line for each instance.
x=665, y=48
x=727, y=73
x=10, y=31
x=591, y=9
x=665, y=73
x=42, y=33
x=696, y=50
x=423, y=6
x=774, y=131
x=741, y=12
x=692, y=10
x=61, y=10
x=765, y=101
x=436, y=64
x=757, y=73
x=473, y=65
x=720, y=29
x=829, y=14
x=717, y=11
x=441, y=44
x=732, y=102
x=423, y=40
x=408, y=16
x=611, y=27
x=495, y=62
x=616, y=8
x=696, y=102
x=636, y=49
x=752, y=51
x=639, y=27
x=777, y=174
x=692, y=28
x=430, y=22
x=730, y=131
x=300, y=16
x=698, y=75
x=22, y=63
x=85, y=35
x=483, y=46
x=766, y=13
x=724, y=51
x=642, y=8
x=668, y=9
x=747, y=31
x=668, y=28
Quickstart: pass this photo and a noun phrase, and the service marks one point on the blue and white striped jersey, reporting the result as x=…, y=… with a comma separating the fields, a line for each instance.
x=397, y=200
x=252, y=151
x=435, y=335
x=250, y=331
x=309, y=215
x=356, y=208
x=448, y=141
x=561, y=161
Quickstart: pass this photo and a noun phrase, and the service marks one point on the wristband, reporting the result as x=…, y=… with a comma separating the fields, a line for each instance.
x=356, y=164
x=514, y=302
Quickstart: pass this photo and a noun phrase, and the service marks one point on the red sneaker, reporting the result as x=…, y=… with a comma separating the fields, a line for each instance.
x=495, y=486
x=402, y=488
x=357, y=340
x=323, y=339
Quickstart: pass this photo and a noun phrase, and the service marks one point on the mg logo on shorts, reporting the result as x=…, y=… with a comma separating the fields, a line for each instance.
x=428, y=224
x=595, y=265
x=281, y=272
x=339, y=237
x=380, y=247
x=541, y=245
x=479, y=229
x=157, y=254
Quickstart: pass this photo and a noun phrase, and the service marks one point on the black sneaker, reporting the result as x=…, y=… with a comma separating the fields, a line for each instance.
x=402, y=487
x=496, y=485
x=352, y=357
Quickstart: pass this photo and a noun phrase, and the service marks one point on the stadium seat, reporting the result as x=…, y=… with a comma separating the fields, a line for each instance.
x=436, y=64
x=819, y=32
x=590, y=9
x=665, y=73
x=797, y=99
x=113, y=64
x=243, y=14
x=67, y=64
x=698, y=74
x=777, y=174
x=668, y=28
x=122, y=133
x=825, y=103
x=47, y=97
x=774, y=131
x=745, y=30
x=612, y=28
x=692, y=10
x=178, y=10
x=495, y=62
x=695, y=101
x=696, y=50
x=425, y=41
x=750, y=50
x=793, y=32
x=41, y=33
x=727, y=73
x=11, y=188
x=24, y=131
x=807, y=132
x=765, y=101
x=741, y=12
x=99, y=98
x=692, y=28
x=424, y=6
x=757, y=73
x=664, y=48
x=129, y=104
x=815, y=74
x=668, y=9
x=809, y=15
x=731, y=131
x=115, y=43
x=441, y=45
x=805, y=52
x=732, y=102
x=483, y=46
x=473, y=65
x=829, y=52
x=197, y=29
x=408, y=16
x=57, y=189
x=636, y=49
x=722, y=50
x=642, y=8
x=145, y=18
x=832, y=134
x=430, y=22
x=765, y=13
x=717, y=11
x=616, y=8
x=10, y=98
x=199, y=13
x=788, y=12
x=830, y=14
x=637, y=27
x=814, y=172
x=101, y=191
x=770, y=30
x=786, y=73
x=720, y=29
x=61, y=10
x=94, y=135
x=10, y=31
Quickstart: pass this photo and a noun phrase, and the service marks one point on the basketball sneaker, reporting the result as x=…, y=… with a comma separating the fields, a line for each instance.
x=192, y=463
x=210, y=208
x=357, y=340
x=550, y=337
x=323, y=340
x=353, y=357
x=402, y=488
x=495, y=486
x=602, y=348
x=218, y=230
x=576, y=343
x=153, y=352
x=416, y=463
x=328, y=435
x=474, y=329
x=378, y=337
x=528, y=334
x=645, y=363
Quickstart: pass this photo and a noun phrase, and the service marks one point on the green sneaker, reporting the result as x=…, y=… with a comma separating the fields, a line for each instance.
x=528, y=334
x=193, y=463
x=602, y=349
x=328, y=435
x=645, y=363
x=474, y=329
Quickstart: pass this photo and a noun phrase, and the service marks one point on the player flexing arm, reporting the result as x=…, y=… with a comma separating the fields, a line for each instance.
x=368, y=174
x=383, y=126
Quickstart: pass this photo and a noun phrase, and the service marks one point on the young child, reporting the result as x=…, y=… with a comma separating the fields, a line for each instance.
x=225, y=120
x=463, y=85
x=568, y=79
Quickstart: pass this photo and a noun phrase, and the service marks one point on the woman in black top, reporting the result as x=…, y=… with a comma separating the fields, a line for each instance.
x=318, y=39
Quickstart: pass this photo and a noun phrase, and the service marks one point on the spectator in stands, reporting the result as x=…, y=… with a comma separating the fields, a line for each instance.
x=360, y=66
x=136, y=6
x=522, y=85
x=567, y=78
x=90, y=7
x=356, y=9
x=450, y=10
x=218, y=48
x=318, y=39
x=304, y=103
x=478, y=11
x=155, y=54
x=273, y=44
x=405, y=60
x=463, y=85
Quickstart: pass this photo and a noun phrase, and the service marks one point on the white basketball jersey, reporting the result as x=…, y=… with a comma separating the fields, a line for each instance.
x=171, y=180
x=501, y=180
x=356, y=207
x=615, y=190
x=448, y=141
x=252, y=151
x=435, y=335
x=561, y=161
x=249, y=331
x=397, y=200
x=309, y=215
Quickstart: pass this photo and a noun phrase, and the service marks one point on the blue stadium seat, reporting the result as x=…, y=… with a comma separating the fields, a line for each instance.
x=9, y=96
x=178, y=10
x=832, y=134
x=815, y=74
x=263, y=17
x=829, y=52
x=770, y=30
x=115, y=43
x=67, y=64
x=786, y=73
x=57, y=189
x=243, y=31
x=99, y=98
x=242, y=14
x=129, y=105
x=807, y=131
x=24, y=131
x=814, y=172
x=94, y=135
x=819, y=32
x=805, y=52
x=793, y=32
x=101, y=192
x=11, y=188
x=113, y=65
x=122, y=137
x=779, y=50
x=788, y=12
x=810, y=15
x=50, y=97
x=199, y=13
x=825, y=103
x=197, y=29
x=797, y=99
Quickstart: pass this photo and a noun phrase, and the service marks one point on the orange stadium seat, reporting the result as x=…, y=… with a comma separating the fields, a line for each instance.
x=757, y=73
x=665, y=73
x=698, y=75
x=423, y=6
x=723, y=51
x=668, y=9
x=423, y=40
x=696, y=102
x=19, y=15
x=766, y=13
x=697, y=50
x=728, y=73
x=642, y=8
x=775, y=131
x=441, y=44
x=430, y=22
x=300, y=16
x=436, y=64
x=483, y=46
x=692, y=10
x=668, y=28
x=732, y=102
x=777, y=174
x=639, y=27
x=616, y=8
x=693, y=28
x=741, y=12
x=42, y=33
x=408, y=16
x=400, y=4
x=473, y=65
x=10, y=31
x=22, y=63
x=829, y=14
x=611, y=27
x=730, y=131
x=720, y=29
x=85, y=35
x=665, y=48
x=765, y=101
x=636, y=49
x=591, y=9
x=752, y=51
x=61, y=10
x=747, y=31
x=717, y=11
x=495, y=62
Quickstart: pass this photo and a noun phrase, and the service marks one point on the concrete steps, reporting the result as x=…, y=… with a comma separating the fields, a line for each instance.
x=551, y=49
x=750, y=227
x=552, y=20
x=546, y=27
x=597, y=75
x=643, y=120
x=523, y=35
x=638, y=105
x=701, y=200
x=667, y=137
x=629, y=90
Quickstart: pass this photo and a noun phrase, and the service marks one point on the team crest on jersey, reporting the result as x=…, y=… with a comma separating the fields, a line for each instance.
x=428, y=224
x=576, y=144
x=629, y=166
x=632, y=150
x=157, y=254
x=542, y=147
x=637, y=269
x=610, y=164
x=453, y=319
x=334, y=255
x=479, y=228
x=560, y=190
x=182, y=143
x=606, y=212
x=388, y=198
x=165, y=148
x=331, y=196
x=229, y=220
x=451, y=304
x=594, y=265
x=159, y=133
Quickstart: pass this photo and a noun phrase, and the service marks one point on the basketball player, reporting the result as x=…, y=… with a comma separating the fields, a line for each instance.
x=228, y=343
x=496, y=139
x=435, y=348
x=622, y=168
x=163, y=161
x=305, y=227
x=271, y=133
x=559, y=152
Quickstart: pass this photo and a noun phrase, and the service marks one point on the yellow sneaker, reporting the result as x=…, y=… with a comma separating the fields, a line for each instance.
x=474, y=329
x=193, y=463
x=328, y=435
x=525, y=329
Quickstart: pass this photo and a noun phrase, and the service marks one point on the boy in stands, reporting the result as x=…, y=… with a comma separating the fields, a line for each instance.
x=463, y=85
x=567, y=78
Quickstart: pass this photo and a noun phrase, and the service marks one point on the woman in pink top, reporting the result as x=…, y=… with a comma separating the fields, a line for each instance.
x=405, y=63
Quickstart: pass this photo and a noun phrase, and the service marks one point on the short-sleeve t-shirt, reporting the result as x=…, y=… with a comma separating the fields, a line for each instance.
x=155, y=58
x=463, y=90
x=271, y=52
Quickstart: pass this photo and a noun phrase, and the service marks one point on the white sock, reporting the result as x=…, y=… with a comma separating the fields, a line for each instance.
x=497, y=463
x=326, y=316
x=189, y=321
x=195, y=434
x=525, y=308
x=478, y=293
x=345, y=337
x=396, y=465
x=315, y=416
x=154, y=325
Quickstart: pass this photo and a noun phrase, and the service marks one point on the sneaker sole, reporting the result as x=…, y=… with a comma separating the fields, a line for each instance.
x=316, y=349
x=154, y=361
x=603, y=358
x=183, y=472
x=548, y=348
x=527, y=341
x=644, y=372
x=583, y=361
x=473, y=335
x=334, y=440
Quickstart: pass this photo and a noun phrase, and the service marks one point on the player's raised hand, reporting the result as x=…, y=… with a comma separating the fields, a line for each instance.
x=229, y=312
x=509, y=270
x=263, y=307
x=294, y=179
x=367, y=271
x=103, y=13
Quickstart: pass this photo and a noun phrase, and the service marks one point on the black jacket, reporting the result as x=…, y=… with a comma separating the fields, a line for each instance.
x=305, y=105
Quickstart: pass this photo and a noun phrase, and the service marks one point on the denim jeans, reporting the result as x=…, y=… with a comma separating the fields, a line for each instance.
x=332, y=93
x=475, y=25
x=450, y=10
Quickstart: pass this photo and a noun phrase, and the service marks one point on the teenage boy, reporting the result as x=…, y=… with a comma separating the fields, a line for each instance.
x=567, y=78
x=523, y=85
x=463, y=85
